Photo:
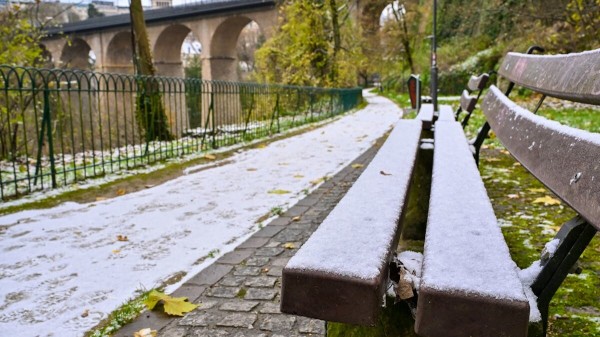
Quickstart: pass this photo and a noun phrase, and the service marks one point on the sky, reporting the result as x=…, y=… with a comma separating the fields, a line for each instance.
x=61, y=262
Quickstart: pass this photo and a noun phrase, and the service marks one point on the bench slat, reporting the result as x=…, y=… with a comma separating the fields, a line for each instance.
x=565, y=159
x=478, y=82
x=467, y=102
x=574, y=77
x=340, y=274
x=469, y=284
x=426, y=115
x=446, y=113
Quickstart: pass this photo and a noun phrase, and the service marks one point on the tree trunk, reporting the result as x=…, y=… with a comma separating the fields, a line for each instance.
x=150, y=110
x=337, y=40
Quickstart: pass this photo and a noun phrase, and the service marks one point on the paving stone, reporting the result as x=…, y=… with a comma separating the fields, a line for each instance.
x=210, y=275
x=249, y=333
x=173, y=332
x=238, y=306
x=273, y=244
x=224, y=292
x=278, y=323
x=261, y=282
x=247, y=271
x=280, y=262
x=238, y=320
x=270, y=308
x=253, y=242
x=155, y=320
x=235, y=257
x=311, y=326
x=295, y=211
x=288, y=235
x=191, y=291
x=281, y=221
x=232, y=281
x=260, y=294
x=271, y=252
x=275, y=271
x=257, y=261
x=199, y=318
x=310, y=200
x=205, y=304
x=268, y=231
x=208, y=333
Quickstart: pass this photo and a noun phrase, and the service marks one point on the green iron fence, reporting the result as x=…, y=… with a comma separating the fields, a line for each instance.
x=58, y=127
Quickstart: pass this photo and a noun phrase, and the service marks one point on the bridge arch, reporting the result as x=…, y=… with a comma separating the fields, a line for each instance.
x=119, y=54
x=168, y=49
x=223, y=58
x=76, y=55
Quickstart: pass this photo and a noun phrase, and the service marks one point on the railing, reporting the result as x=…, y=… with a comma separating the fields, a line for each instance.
x=58, y=127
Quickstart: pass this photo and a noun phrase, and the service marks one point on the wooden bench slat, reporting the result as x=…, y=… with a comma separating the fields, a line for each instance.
x=446, y=113
x=574, y=77
x=340, y=274
x=469, y=284
x=426, y=115
x=467, y=102
x=565, y=159
x=478, y=82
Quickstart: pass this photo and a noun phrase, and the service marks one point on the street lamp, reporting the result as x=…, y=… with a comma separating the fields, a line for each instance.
x=434, y=70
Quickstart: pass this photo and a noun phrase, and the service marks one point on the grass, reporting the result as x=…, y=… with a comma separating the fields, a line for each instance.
x=527, y=226
x=126, y=313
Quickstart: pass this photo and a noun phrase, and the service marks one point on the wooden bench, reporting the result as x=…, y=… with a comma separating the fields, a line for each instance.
x=469, y=285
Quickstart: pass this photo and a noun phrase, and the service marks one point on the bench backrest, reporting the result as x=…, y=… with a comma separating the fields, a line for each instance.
x=564, y=159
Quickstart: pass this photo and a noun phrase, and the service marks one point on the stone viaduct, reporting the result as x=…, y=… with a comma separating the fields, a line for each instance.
x=216, y=25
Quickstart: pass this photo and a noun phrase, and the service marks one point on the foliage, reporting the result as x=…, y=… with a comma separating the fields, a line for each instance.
x=193, y=95
x=19, y=38
x=93, y=12
x=176, y=306
x=314, y=45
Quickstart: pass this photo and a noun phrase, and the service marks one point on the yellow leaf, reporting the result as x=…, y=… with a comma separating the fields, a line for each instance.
x=547, y=200
x=121, y=192
x=116, y=251
x=317, y=181
x=101, y=198
x=296, y=218
x=279, y=192
x=298, y=176
x=176, y=306
x=491, y=159
x=210, y=156
x=517, y=164
x=261, y=146
x=357, y=165
x=251, y=169
x=122, y=238
x=289, y=245
x=537, y=190
x=147, y=332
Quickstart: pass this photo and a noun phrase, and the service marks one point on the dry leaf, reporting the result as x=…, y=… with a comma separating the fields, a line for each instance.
x=251, y=169
x=149, y=186
x=101, y=198
x=147, y=332
x=537, y=190
x=317, y=181
x=383, y=173
x=517, y=164
x=289, y=245
x=116, y=251
x=298, y=176
x=547, y=200
x=122, y=238
x=85, y=313
x=176, y=306
x=296, y=218
x=357, y=165
x=121, y=192
x=210, y=156
x=513, y=196
x=279, y=192
x=491, y=159
x=261, y=146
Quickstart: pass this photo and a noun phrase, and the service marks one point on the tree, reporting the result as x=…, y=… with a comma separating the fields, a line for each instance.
x=314, y=46
x=150, y=110
x=93, y=12
x=19, y=38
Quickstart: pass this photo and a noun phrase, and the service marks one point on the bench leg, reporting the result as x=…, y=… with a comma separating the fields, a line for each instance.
x=574, y=237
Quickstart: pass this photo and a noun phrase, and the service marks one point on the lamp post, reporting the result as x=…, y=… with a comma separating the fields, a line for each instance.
x=434, y=69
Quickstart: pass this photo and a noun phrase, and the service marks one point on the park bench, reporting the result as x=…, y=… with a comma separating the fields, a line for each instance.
x=469, y=285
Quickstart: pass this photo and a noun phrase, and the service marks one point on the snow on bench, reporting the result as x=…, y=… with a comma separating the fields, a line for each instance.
x=341, y=273
x=426, y=115
x=446, y=113
x=469, y=285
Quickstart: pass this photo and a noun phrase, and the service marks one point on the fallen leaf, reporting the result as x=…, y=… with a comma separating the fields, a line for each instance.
x=517, y=164
x=317, y=181
x=116, y=251
x=298, y=176
x=85, y=313
x=537, y=190
x=491, y=159
x=210, y=156
x=261, y=146
x=383, y=173
x=279, y=192
x=283, y=164
x=121, y=192
x=122, y=238
x=149, y=186
x=547, y=200
x=289, y=245
x=357, y=165
x=176, y=306
x=296, y=218
x=504, y=152
x=147, y=332
x=513, y=196
x=252, y=169
x=101, y=198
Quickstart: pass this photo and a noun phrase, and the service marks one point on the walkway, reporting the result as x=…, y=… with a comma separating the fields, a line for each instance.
x=239, y=294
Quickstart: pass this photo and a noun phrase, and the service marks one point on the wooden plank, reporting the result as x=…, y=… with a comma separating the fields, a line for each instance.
x=467, y=102
x=564, y=159
x=478, y=82
x=341, y=273
x=469, y=284
x=574, y=77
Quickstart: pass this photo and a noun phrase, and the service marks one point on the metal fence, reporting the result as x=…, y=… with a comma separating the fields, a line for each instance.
x=58, y=127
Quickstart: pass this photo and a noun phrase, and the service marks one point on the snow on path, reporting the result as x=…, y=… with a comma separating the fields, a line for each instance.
x=59, y=262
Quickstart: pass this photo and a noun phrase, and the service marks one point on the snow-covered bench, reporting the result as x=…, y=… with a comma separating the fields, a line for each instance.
x=341, y=273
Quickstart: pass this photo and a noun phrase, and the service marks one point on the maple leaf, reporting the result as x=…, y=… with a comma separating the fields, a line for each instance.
x=175, y=306
x=279, y=192
x=547, y=200
x=289, y=245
